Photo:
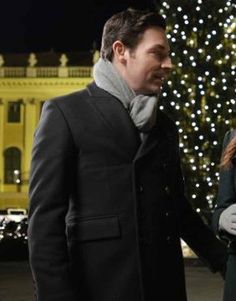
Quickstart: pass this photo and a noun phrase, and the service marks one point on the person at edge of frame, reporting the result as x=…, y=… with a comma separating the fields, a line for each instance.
x=107, y=203
x=224, y=215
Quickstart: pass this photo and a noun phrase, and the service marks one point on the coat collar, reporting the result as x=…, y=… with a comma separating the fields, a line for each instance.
x=117, y=119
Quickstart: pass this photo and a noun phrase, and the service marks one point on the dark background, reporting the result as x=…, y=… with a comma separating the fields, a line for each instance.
x=58, y=25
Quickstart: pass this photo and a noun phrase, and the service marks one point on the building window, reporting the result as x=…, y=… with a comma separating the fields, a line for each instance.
x=12, y=165
x=14, y=111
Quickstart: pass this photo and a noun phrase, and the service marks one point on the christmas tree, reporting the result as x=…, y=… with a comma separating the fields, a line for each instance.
x=200, y=93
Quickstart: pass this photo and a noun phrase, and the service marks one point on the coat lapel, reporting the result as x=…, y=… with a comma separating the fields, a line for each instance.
x=116, y=119
x=151, y=140
x=157, y=137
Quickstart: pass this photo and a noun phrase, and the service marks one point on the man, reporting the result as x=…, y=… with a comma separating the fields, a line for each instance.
x=107, y=204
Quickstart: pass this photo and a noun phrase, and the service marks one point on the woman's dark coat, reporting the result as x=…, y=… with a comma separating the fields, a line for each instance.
x=123, y=201
x=226, y=197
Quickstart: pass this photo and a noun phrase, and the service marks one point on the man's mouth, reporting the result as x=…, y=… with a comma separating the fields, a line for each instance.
x=161, y=78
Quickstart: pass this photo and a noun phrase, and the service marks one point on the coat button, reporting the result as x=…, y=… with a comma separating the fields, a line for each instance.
x=168, y=239
x=167, y=189
x=165, y=165
x=140, y=188
x=167, y=214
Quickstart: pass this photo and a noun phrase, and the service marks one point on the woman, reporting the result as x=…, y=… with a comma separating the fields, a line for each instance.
x=224, y=217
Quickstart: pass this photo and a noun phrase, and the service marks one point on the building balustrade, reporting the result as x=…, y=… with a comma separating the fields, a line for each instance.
x=44, y=72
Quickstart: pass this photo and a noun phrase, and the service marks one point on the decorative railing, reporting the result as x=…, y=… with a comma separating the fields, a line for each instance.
x=45, y=72
x=13, y=72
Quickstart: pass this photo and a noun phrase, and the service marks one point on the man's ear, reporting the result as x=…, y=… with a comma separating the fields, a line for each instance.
x=119, y=51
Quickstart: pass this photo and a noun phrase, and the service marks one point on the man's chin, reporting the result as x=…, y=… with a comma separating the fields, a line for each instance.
x=155, y=90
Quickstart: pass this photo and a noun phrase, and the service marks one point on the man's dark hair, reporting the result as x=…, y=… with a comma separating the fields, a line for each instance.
x=128, y=26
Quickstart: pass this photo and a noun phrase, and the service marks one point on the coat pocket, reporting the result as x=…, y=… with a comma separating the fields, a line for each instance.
x=96, y=228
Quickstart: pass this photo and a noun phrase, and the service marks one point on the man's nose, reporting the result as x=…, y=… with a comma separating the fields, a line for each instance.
x=167, y=64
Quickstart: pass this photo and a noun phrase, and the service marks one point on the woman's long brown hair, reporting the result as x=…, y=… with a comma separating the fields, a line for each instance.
x=227, y=156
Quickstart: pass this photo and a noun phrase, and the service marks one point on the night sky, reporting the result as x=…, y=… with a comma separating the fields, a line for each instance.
x=58, y=25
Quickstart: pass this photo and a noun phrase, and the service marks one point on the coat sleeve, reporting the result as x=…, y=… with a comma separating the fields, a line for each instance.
x=199, y=237
x=226, y=192
x=49, y=192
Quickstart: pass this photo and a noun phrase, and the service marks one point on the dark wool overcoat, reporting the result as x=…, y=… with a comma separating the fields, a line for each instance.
x=226, y=197
x=106, y=210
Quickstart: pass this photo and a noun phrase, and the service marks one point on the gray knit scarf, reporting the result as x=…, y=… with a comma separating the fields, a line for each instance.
x=142, y=108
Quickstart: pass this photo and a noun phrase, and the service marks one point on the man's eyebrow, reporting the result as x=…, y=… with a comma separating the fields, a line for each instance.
x=160, y=47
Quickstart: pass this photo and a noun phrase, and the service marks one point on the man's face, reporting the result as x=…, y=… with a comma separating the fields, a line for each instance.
x=149, y=63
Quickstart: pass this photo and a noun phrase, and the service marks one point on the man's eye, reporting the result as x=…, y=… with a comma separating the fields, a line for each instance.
x=158, y=54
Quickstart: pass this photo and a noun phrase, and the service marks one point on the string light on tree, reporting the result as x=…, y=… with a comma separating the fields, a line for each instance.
x=200, y=94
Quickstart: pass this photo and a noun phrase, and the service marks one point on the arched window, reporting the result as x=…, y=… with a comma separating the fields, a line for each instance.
x=12, y=165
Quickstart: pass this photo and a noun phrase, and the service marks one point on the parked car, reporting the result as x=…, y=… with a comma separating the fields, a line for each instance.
x=13, y=214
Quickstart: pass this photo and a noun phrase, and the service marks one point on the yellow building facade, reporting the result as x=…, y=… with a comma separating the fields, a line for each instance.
x=23, y=90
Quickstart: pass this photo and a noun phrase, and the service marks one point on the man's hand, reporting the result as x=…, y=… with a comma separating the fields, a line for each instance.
x=227, y=221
